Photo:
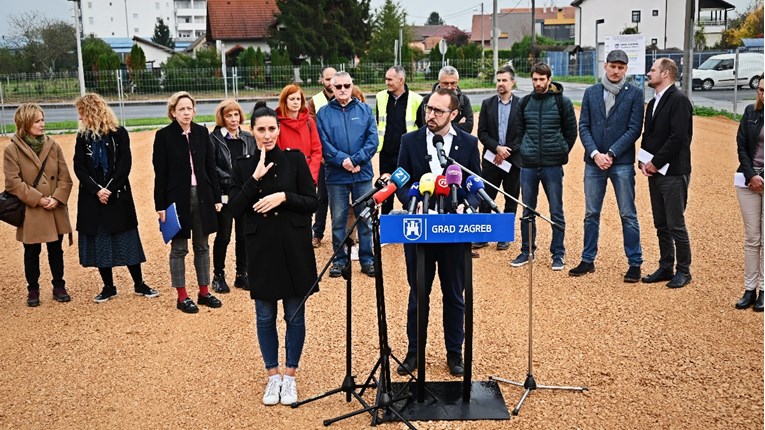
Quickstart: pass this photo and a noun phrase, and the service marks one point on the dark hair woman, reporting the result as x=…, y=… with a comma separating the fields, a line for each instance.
x=106, y=218
x=47, y=217
x=273, y=191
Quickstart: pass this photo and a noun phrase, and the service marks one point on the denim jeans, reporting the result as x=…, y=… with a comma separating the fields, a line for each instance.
x=622, y=178
x=669, y=197
x=320, y=218
x=268, y=338
x=551, y=178
x=340, y=196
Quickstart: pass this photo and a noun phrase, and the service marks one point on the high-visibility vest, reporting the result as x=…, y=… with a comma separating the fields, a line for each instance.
x=319, y=101
x=413, y=103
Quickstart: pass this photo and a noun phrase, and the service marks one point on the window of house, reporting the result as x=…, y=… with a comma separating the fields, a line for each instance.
x=655, y=12
x=654, y=41
x=636, y=16
x=112, y=19
x=156, y=5
x=90, y=20
x=90, y=5
x=135, y=30
x=135, y=15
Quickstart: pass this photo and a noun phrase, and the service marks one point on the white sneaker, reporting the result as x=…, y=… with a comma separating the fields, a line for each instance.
x=271, y=395
x=289, y=390
x=355, y=253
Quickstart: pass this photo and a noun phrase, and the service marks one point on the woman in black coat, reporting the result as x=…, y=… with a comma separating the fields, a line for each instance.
x=274, y=193
x=184, y=174
x=106, y=216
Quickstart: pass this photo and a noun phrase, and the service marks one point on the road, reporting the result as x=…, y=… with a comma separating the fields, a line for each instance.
x=716, y=98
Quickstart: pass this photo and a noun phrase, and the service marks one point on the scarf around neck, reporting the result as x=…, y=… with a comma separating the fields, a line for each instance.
x=36, y=143
x=612, y=90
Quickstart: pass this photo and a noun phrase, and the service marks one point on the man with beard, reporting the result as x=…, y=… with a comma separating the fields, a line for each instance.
x=667, y=136
x=546, y=127
x=609, y=125
x=418, y=157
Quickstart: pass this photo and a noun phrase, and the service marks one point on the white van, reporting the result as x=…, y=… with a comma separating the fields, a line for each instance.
x=720, y=71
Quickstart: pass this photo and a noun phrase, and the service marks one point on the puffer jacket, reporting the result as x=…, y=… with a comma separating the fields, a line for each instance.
x=223, y=160
x=347, y=132
x=545, y=138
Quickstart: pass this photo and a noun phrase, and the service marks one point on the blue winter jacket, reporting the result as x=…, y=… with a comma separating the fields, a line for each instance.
x=347, y=132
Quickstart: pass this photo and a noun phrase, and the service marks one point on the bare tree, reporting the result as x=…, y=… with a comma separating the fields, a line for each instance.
x=48, y=44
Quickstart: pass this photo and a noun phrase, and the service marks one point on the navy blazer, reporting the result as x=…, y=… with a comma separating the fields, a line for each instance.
x=488, y=128
x=668, y=132
x=619, y=131
x=412, y=157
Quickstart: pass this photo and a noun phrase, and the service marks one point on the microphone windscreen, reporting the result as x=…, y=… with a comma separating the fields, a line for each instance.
x=400, y=177
x=414, y=191
x=473, y=184
x=384, y=193
x=454, y=175
x=438, y=139
x=442, y=188
x=427, y=183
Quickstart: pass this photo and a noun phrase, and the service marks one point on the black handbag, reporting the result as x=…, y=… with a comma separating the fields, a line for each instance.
x=12, y=209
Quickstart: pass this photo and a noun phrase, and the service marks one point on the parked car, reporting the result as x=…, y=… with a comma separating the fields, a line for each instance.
x=720, y=71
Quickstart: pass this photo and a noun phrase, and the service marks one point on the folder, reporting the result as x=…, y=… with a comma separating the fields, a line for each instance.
x=172, y=224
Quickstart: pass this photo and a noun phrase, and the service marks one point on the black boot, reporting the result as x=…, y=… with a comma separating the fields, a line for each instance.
x=219, y=284
x=758, y=303
x=242, y=281
x=747, y=300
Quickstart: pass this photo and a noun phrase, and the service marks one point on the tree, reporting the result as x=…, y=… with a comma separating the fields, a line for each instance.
x=752, y=25
x=630, y=30
x=434, y=19
x=747, y=24
x=457, y=37
x=137, y=59
x=162, y=34
x=699, y=38
x=47, y=44
x=96, y=54
x=385, y=28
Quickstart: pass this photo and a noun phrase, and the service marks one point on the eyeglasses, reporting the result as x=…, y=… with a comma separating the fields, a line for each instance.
x=438, y=113
x=341, y=86
x=759, y=90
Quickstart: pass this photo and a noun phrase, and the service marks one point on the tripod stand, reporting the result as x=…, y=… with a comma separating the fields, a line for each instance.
x=385, y=397
x=530, y=383
x=349, y=385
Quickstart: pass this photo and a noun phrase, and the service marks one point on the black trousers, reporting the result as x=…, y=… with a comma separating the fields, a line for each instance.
x=55, y=260
x=669, y=197
x=510, y=181
x=223, y=238
x=388, y=163
x=320, y=218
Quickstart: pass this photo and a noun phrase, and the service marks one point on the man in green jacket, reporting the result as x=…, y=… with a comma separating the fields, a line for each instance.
x=546, y=127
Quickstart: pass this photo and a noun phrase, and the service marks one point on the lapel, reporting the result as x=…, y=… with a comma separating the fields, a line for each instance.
x=457, y=147
x=494, y=112
x=600, y=102
x=514, y=102
x=665, y=99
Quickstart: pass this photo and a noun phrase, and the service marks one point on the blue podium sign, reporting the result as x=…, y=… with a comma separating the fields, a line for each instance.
x=447, y=228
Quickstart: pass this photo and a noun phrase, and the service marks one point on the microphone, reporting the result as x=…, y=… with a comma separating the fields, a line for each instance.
x=384, y=193
x=427, y=185
x=454, y=180
x=414, y=197
x=462, y=197
x=475, y=185
x=438, y=142
x=400, y=177
x=379, y=183
x=442, y=190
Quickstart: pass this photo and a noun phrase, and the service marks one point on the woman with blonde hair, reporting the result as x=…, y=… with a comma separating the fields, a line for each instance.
x=31, y=154
x=230, y=142
x=184, y=174
x=106, y=216
x=298, y=129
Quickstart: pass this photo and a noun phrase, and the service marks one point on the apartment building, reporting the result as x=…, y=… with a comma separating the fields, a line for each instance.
x=127, y=18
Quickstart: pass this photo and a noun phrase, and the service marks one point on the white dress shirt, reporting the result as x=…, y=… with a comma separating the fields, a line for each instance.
x=435, y=165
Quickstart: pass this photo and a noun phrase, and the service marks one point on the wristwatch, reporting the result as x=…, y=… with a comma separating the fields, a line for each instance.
x=611, y=154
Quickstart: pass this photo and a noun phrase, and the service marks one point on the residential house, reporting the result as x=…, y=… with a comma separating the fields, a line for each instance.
x=239, y=24
x=515, y=24
x=427, y=37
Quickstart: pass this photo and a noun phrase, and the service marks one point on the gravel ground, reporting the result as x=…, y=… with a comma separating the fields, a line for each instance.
x=652, y=357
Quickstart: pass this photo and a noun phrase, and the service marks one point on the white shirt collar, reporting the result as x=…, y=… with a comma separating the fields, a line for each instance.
x=435, y=166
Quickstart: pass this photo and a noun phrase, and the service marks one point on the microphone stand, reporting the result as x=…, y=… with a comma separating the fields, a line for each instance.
x=530, y=384
x=385, y=397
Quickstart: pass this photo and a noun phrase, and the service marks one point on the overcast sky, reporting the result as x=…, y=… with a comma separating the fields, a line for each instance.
x=454, y=12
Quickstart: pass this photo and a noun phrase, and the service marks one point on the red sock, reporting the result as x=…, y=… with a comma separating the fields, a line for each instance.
x=182, y=294
x=203, y=291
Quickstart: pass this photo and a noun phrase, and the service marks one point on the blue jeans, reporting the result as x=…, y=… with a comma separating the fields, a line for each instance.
x=551, y=178
x=622, y=178
x=268, y=338
x=340, y=196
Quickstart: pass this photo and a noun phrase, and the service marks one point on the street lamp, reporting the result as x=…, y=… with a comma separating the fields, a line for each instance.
x=597, y=49
x=80, y=68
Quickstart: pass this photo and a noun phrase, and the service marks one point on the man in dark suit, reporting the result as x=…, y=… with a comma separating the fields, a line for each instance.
x=496, y=134
x=667, y=137
x=418, y=157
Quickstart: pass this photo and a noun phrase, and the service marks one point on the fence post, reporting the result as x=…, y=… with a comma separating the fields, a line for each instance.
x=2, y=109
x=736, y=71
x=235, y=82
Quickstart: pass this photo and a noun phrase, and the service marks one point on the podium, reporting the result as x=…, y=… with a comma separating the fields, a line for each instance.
x=448, y=400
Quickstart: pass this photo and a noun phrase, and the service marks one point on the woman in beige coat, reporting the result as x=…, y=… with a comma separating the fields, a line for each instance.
x=47, y=216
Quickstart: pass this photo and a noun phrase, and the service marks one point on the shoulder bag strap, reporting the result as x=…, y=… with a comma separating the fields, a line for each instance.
x=39, y=174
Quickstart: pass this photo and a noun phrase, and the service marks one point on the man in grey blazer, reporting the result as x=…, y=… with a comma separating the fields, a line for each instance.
x=610, y=123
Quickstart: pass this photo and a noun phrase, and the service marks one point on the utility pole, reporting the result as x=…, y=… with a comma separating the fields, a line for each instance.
x=533, y=26
x=483, y=46
x=495, y=36
x=80, y=68
x=690, y=28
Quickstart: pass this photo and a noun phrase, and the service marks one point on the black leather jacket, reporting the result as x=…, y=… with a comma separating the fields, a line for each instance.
x=223, y=156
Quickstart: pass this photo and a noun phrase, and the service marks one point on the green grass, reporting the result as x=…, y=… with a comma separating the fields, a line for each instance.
x=137, y=122
x=709, y=111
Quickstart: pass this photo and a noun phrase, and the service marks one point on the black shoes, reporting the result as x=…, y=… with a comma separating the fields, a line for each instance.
x=60, y=295
x=145, y=291
x=503, y=246
x=336, y=271
x=33, y=298
x=409, y=365
x=758, y=303
x=106, y=294
x=582, y=269
x=679, y=280
x=659, y=275
x=368, y=269
x=632, y=275
x=454, y=361
x=187, y=306
x=242, y=281
x=479, y=245
x=750, y=296
x=209, y=300
x=219, y=284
